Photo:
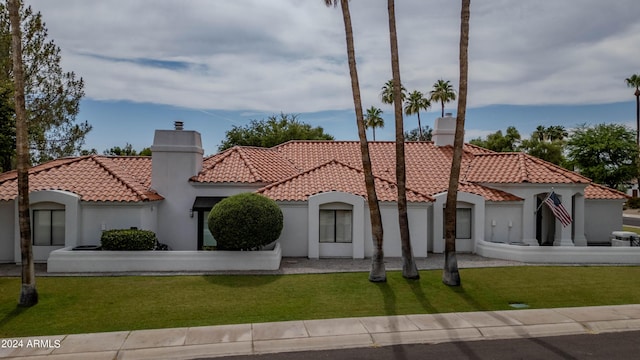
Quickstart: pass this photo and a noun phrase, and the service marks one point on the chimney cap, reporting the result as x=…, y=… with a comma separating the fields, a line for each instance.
x=179, y=125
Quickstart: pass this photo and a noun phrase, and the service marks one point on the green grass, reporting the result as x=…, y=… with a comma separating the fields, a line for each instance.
x=95, y=304
x=632, y=229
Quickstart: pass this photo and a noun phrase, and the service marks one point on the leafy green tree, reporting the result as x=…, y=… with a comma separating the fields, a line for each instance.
x=414, y=103
x=377, y=273
x=414, y=135
x=386, y=95
x=127, y=150
x=7, y=131
x=272, y=131
x=52, y=96
x=634, y=82
x=499, y=142
x=443, y=93
x=373, y=119
x=606, y=153
x=551, y=151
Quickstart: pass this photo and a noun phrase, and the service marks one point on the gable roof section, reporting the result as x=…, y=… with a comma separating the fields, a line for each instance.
x=245, y=165
x=600, y=192
x=93, y=178
x=518, y=168
x=334, y=176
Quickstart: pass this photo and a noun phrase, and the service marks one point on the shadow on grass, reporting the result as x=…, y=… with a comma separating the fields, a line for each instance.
x=418, y=291
x=240, y=281
x=467, y=298
x=12, y=315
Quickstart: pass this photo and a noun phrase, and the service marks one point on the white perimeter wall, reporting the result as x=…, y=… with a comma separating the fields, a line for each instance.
x=108, y=216
x=503, y=222
x=6, y=231
x=601, y=217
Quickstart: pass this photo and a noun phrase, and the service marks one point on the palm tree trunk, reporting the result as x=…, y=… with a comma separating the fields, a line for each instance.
x=442, y=103
x=377, y=273
x=28, y=292
x=420, y=127
x=374, y=133
x=637, y=94
x=450, y=274
x=409, y=268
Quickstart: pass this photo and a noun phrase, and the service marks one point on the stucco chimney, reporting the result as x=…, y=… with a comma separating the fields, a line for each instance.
x=444, y=130
x=176, y=156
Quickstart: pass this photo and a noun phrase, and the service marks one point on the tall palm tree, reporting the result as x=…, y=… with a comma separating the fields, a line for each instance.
x=386, y=95
x=377, y=273
x=450, y=274
x=373, y=119
x=409, y=268
x=557, y=132
x=28, y=292
x=442, y=92
x=414, y=103
x=634, y=82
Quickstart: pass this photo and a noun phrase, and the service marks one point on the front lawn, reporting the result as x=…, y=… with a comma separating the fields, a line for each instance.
x=96, y=304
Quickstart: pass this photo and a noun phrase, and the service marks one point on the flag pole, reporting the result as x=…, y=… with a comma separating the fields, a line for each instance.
x=545, y=199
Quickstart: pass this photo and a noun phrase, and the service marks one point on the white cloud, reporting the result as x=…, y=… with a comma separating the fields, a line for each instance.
x=289, y=55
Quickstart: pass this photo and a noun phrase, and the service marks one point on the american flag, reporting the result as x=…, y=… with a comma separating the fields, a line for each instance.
x=554, y=203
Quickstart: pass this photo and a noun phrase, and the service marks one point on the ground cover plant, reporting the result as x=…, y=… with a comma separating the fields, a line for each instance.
x=96, y=304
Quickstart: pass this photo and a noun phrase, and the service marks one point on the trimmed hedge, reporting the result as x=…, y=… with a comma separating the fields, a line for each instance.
x=128, y=239
x=245, y=221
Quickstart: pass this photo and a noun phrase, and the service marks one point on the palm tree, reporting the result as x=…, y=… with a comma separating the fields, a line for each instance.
x=414, y=104
x=540, y=133
x=442, y=92
x=634, y=81
x=373, y=120
x=450, y=274
x=557, y=132
x=28, y=292
x=377, y=273
x=386, y=95
x=409, y=268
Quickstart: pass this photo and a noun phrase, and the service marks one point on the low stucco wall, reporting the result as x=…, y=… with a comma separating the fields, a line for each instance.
x=560, y=254
x=70, y=261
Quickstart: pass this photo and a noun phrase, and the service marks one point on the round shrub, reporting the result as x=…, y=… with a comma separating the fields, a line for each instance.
x=128, y=239
x=245, y=221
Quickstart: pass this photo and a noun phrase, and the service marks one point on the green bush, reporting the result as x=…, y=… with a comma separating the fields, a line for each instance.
x=633, y=203
x=245, y=221
x=128, y=239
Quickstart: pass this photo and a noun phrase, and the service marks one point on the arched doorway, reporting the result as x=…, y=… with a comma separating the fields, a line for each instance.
x=545, y=222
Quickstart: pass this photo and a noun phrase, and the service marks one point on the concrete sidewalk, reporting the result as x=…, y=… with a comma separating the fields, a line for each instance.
x=259, y=338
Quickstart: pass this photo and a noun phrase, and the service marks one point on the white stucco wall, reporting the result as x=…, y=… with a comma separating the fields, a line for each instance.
x=465, y=200
x=601, y=218
x=293, y=238
x=6, y=231
x=108, y=216
x=392, y=245
x=54, y=199
x=503, y=222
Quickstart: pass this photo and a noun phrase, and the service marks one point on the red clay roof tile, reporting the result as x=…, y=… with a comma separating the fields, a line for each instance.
x=93, y=178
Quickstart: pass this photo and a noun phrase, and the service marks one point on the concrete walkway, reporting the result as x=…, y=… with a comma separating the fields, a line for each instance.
x=260, y=338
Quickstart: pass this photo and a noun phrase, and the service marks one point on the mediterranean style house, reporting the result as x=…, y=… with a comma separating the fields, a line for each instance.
x=319, y=185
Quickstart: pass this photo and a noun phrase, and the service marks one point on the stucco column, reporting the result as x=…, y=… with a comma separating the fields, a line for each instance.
x=563, y=233
x=529, y=221
x=578, y=221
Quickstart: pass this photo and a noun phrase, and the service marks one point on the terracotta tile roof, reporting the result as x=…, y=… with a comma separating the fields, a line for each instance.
x=93, y=178
x=601, y=192
x=245, y=165
x=334, y=176
x=488, y=193
x=518, y=168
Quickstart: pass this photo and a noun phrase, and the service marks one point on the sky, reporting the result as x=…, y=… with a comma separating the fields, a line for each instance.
x=215, y=64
